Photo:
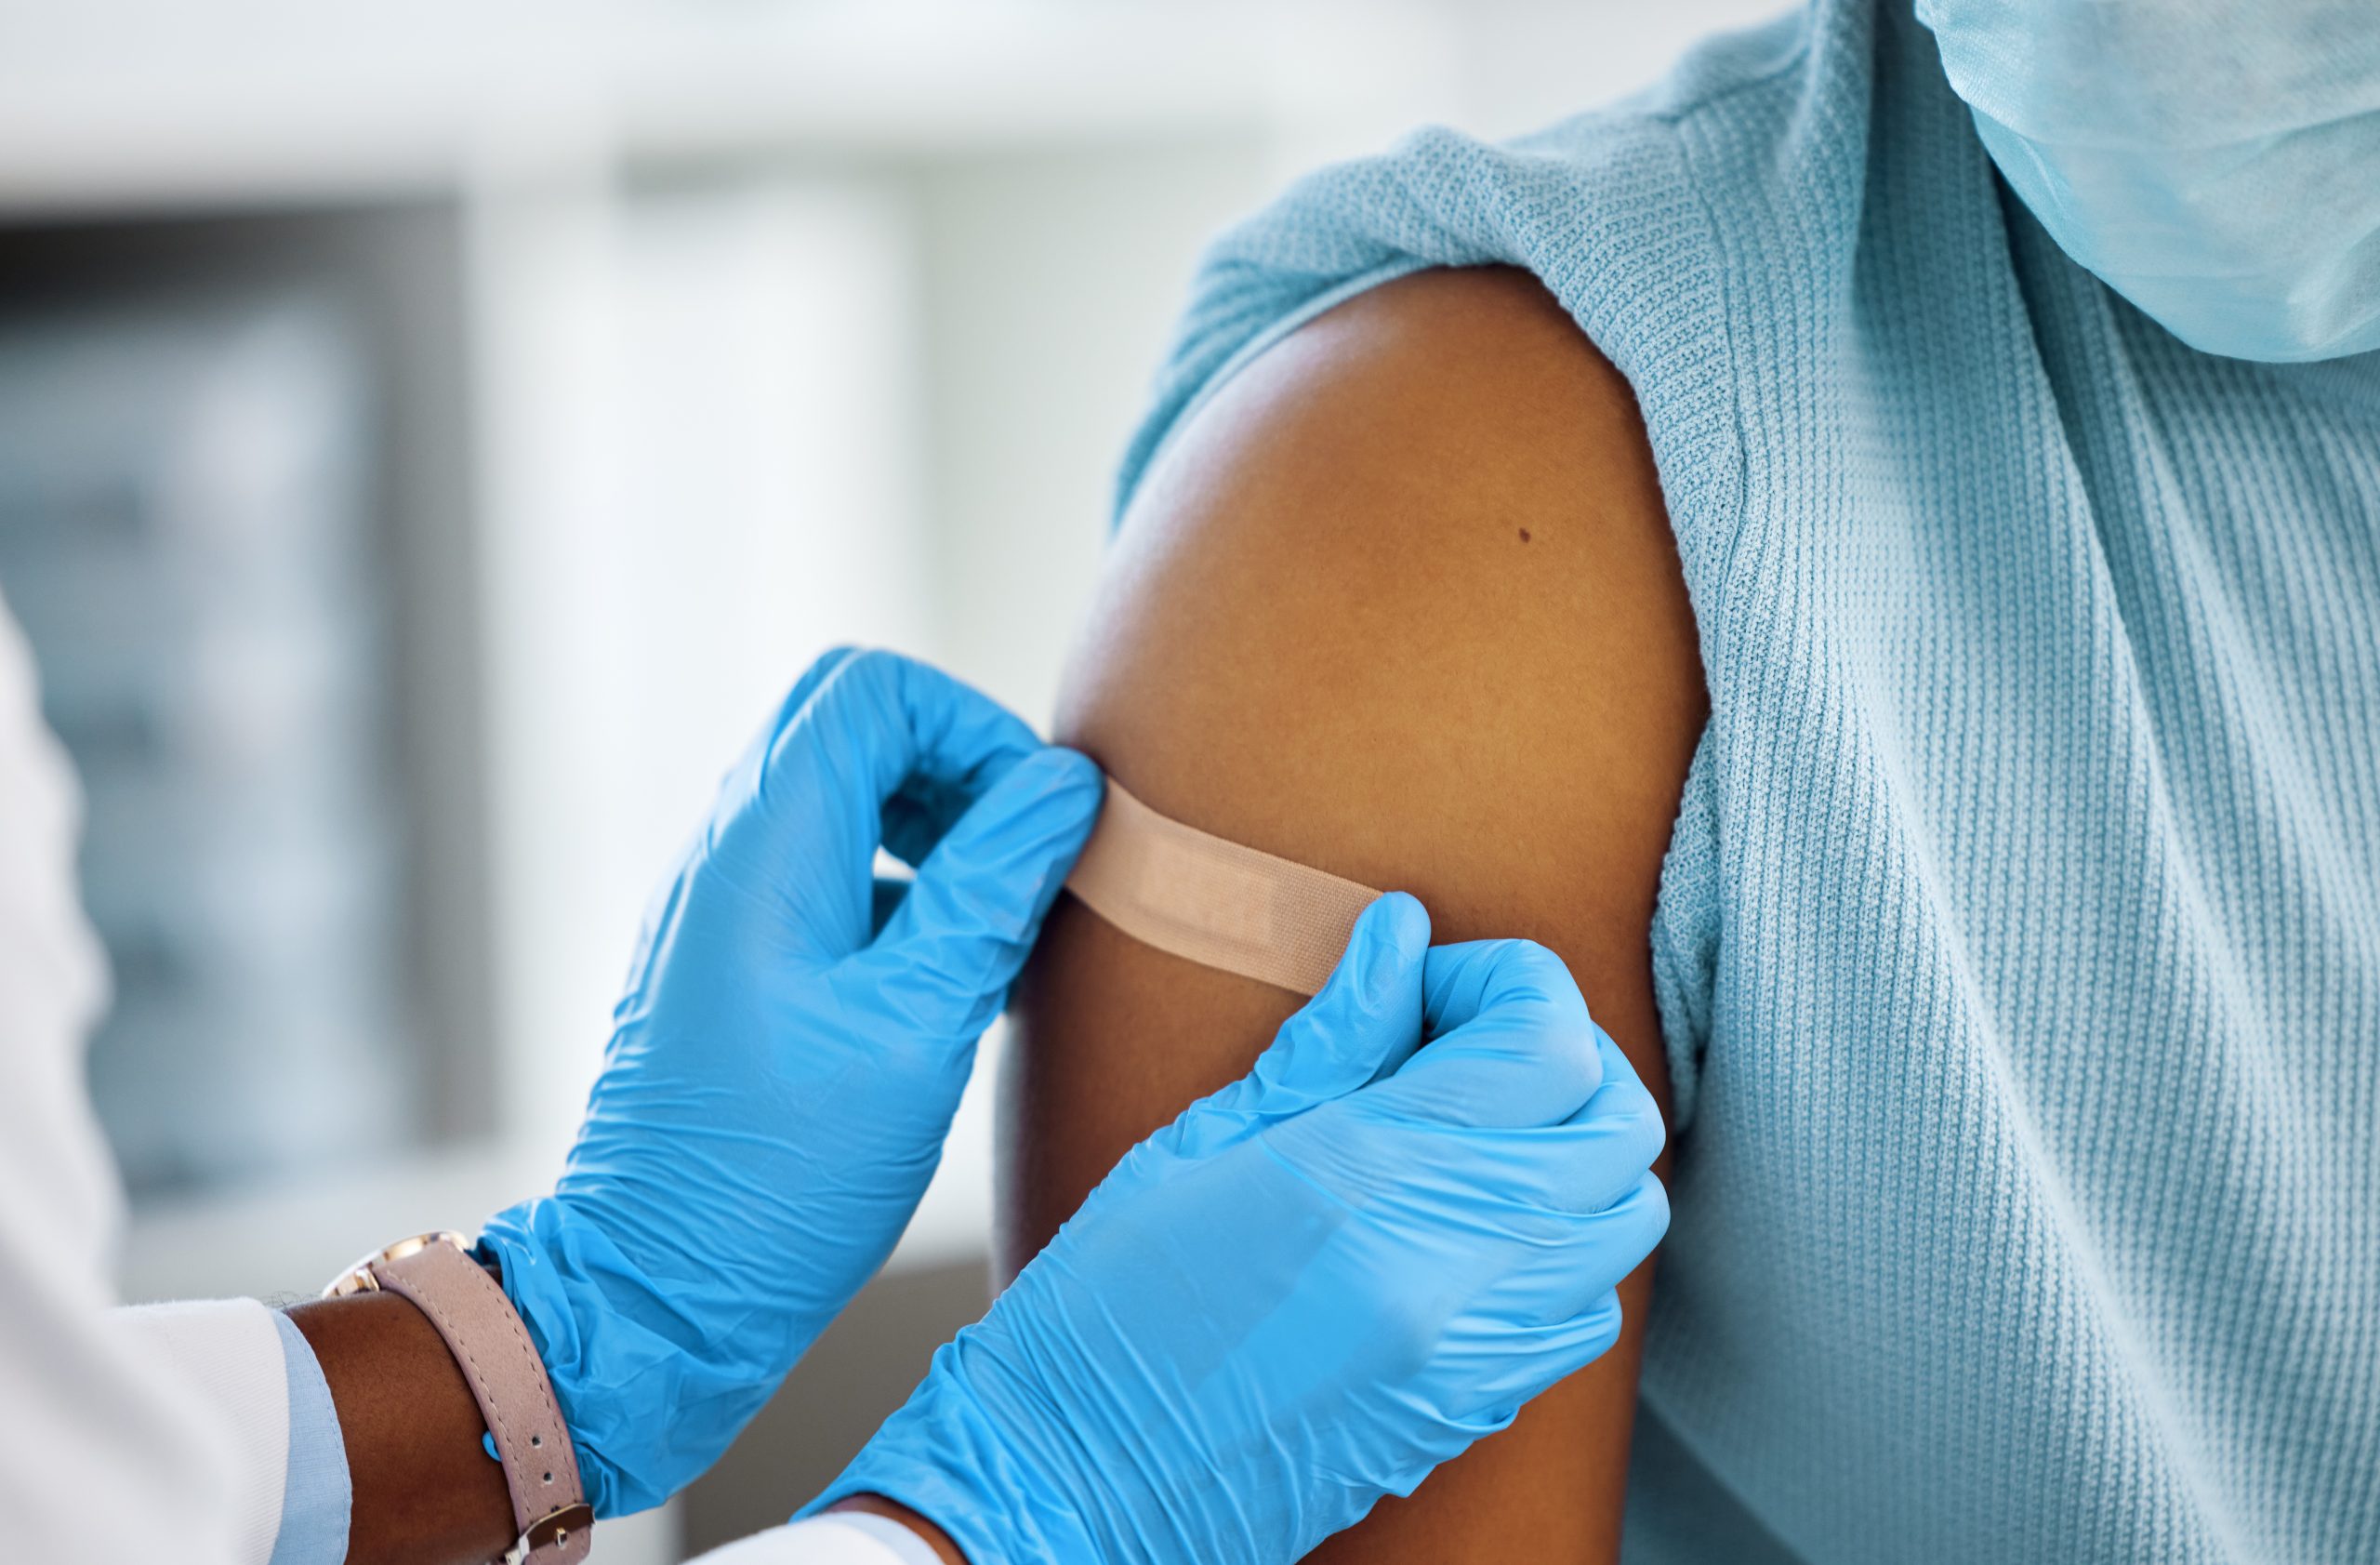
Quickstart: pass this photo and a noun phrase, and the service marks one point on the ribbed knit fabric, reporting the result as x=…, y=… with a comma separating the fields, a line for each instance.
x=2018, y=945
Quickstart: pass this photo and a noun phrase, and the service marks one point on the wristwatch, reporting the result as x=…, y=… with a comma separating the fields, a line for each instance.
x=552, y=1523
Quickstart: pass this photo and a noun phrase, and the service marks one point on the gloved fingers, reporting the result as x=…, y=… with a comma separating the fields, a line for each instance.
x=920, y=811
x=1469, y=978
x=1622, y=1103
x=879, y=723
x=956, y=941
x=1550, y=1351
x=1636, y=1223
x=862, y=733
x=743, y=778
x=1366, y=1021
x=1601, y=1248
x=1504, y=1364
x=738, y=786
x=820, y=669
x=1512, y=1044
x=1588, y=1162
x=922, y=806
x=1583, y=1166
x=1602, y=1153
x=885, y=897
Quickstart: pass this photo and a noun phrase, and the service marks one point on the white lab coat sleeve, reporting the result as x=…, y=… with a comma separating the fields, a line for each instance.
x=103, y=1454
x=229, y=1353
x=841, y=1538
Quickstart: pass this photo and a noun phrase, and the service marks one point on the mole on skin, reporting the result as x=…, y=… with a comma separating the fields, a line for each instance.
x=1524, y=534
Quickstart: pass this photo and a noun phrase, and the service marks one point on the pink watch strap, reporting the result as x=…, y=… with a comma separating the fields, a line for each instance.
x=552, y=1521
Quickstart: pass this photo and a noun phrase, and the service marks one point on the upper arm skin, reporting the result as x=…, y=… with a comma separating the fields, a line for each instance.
x=1401, y=603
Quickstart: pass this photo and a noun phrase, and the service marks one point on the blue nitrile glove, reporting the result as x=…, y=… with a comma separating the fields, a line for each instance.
x=778, y=1086
x=1312, y=1288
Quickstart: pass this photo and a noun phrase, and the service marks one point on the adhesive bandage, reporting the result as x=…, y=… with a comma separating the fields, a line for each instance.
x=1215, y=902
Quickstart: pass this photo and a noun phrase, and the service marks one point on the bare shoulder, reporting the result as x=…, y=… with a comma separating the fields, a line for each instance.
x=1400, y=601
x=1413, y=559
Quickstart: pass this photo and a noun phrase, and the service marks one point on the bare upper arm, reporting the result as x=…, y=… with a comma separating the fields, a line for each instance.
x=1400, y=601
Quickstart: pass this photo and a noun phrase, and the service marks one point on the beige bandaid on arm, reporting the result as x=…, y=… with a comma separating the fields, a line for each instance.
x=1215, y=902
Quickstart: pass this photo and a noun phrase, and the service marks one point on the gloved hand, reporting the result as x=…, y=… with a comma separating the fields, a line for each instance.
x=1312, y=1288
x=778, y=1085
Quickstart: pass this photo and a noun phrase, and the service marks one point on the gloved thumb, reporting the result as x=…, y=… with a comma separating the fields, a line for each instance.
x=951, y=949
x=1362, y=1025
x=1513, y=1044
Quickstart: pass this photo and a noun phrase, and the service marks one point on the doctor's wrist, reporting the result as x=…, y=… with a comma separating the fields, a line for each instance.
x=934, y=1537
x=577, y=1297
x=651, y=1390
x=423, y=1491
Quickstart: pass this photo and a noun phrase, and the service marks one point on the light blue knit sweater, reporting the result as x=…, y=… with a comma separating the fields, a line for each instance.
x=2018, y=948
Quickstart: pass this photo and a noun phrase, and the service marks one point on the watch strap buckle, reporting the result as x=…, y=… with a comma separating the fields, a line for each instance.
x=552, y=1531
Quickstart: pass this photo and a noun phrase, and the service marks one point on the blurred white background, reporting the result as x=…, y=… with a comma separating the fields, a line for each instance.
x=431, y=436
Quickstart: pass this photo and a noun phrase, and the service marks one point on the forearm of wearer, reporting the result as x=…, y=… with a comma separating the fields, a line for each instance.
x=425, y=1491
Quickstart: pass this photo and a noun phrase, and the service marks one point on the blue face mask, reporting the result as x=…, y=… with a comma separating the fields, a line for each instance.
x=2217, y=161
